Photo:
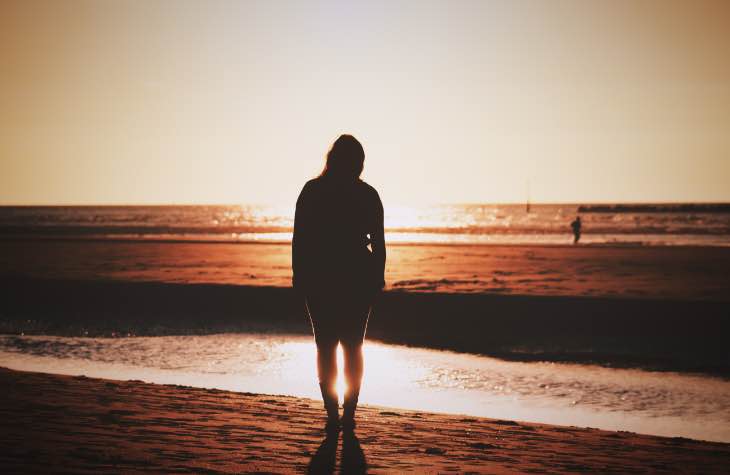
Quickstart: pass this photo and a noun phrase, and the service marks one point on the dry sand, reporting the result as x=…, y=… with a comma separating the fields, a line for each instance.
x=65, y=424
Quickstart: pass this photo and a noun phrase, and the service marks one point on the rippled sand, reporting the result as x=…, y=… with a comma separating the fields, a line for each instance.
x=647, y=402
x=84, y=425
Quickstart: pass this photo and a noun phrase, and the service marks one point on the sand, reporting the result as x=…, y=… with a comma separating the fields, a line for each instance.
x=653, y=307
x=675, y=273
x=662, y=308
x=628, y=332
x=64, y=424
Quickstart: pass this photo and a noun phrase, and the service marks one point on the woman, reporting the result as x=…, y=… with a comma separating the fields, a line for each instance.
x=337, y=217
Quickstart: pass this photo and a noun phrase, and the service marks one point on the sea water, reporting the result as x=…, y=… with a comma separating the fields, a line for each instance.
x=659, y=403
x=657, y=224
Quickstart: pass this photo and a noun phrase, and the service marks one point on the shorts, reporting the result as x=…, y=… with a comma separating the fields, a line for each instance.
x=339, y=316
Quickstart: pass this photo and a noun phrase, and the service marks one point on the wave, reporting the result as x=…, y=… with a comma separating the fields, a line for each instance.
x=102, y=230
x=554, y=229
x=562, y=229
x=657, y=208
x=693, y=224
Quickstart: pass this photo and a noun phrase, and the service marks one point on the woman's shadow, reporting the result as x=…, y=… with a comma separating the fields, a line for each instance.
x=325, y=459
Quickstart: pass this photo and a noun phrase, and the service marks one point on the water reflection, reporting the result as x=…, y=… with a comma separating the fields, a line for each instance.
x=656, y=403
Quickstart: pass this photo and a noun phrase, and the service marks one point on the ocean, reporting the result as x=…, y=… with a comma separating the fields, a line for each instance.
x=619, y=224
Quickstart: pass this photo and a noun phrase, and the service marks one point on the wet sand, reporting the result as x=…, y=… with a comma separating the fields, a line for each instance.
x=658, y=308
x=676, y=273
x=652, y=307
x=64, y=424
x=619, y=332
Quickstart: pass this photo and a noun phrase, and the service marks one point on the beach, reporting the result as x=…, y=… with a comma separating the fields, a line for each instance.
x=510, y=225
x=610, y=319
x=64, y=424
x=666, y=272
x=656, y=307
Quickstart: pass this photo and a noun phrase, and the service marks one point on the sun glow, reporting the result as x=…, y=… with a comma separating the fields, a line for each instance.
x=213, y=102
x=395, y=376
x=341, y=385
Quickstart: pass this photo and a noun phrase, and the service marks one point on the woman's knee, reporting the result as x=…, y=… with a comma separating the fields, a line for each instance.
x=352, y=348
x=326, y=347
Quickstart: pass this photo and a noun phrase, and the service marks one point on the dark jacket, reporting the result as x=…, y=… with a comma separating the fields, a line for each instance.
x=334, y=223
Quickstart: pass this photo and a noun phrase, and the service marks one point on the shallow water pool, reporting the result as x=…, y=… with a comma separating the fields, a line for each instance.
x=669, y=404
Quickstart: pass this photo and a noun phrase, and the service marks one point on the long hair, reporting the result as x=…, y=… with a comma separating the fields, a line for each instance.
x=345, y=159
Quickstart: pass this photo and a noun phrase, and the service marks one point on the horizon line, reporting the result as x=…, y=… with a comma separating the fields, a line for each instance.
x=444, y=203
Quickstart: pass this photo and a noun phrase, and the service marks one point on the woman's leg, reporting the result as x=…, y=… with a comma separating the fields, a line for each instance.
x=326, y=342
x=327, y=373
x=354, y=364
x=353, y=377
x=327, y=363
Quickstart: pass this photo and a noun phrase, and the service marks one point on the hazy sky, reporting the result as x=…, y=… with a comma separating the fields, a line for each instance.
x=228, y=102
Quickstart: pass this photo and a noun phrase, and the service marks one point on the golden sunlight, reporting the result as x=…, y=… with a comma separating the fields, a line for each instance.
x=341, y=385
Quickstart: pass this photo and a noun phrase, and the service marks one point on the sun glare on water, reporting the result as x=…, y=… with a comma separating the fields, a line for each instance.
x=397, y=376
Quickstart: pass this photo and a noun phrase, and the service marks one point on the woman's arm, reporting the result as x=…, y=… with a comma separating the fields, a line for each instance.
x=299, y=241
x=377, y=240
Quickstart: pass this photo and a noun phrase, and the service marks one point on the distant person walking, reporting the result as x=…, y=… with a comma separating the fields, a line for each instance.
x=576, y=225
x=337, y=216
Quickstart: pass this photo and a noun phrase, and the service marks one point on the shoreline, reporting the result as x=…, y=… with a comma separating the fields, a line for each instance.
x=148, y=240
x=660, y=335
x=88, y=425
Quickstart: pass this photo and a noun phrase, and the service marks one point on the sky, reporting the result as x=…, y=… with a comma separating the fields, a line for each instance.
x=157, y=102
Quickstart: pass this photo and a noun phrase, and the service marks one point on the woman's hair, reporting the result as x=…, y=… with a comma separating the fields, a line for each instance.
x=345, y=159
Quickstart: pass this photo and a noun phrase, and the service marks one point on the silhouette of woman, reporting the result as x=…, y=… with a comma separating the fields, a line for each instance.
x=337, y=217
